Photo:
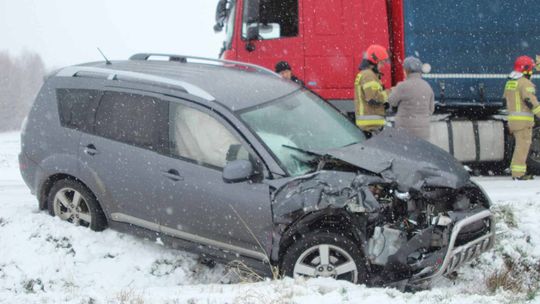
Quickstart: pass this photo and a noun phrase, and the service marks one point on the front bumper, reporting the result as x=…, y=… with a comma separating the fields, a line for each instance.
x=457, y=255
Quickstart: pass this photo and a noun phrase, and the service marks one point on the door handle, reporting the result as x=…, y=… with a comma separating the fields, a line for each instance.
x=173, y=175
x=91, y=150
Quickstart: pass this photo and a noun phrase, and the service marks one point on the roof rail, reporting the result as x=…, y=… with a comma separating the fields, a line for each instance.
x=110, y=74
x=186, y=59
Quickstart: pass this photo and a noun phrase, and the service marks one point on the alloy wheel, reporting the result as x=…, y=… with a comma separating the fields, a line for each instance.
x=327, y=261
x=71, y=206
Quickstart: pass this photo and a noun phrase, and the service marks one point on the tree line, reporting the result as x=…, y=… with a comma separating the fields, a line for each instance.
x=21, y=78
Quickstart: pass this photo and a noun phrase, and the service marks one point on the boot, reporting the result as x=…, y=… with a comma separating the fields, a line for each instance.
x=524, y=177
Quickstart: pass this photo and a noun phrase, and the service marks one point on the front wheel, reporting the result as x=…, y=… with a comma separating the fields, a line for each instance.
x=325, y=254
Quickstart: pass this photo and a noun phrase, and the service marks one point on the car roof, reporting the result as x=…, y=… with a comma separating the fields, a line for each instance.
x=235, y=86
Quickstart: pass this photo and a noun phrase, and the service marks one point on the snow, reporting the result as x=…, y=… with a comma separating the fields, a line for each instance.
x=45, y=260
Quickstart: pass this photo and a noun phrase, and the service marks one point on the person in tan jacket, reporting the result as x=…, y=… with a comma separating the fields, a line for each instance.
x=522, y=105
x=370, y=97
x=414, y=100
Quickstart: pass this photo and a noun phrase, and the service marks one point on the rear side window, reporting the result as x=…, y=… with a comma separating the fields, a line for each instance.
x=77, y=108
x=133, y=119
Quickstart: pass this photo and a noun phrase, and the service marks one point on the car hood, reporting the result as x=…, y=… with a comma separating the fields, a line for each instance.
x=409, y=161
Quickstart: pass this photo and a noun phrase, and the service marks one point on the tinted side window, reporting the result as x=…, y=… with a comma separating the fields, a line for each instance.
x=133, y=119
x=197, y=136
x=77, y=108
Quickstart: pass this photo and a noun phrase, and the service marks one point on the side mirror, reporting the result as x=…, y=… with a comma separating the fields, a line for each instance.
x=238, y=171
x=252, y=32
x=221, y=15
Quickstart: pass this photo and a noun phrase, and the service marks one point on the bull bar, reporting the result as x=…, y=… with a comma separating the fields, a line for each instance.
x=458, y=255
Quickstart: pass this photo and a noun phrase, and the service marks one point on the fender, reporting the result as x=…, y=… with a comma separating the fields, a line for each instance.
x=283, y=235
x=70, y=165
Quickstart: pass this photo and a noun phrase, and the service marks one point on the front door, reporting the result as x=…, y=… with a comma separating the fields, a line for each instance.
x=199, y=206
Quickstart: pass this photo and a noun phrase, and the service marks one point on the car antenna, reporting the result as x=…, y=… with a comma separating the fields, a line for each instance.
x=107, y=61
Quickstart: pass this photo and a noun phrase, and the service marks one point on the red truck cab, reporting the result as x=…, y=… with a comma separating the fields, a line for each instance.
x=323, y=41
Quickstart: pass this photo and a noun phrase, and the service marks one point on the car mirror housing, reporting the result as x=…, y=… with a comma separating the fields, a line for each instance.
x=252, y=32
x=238, y=171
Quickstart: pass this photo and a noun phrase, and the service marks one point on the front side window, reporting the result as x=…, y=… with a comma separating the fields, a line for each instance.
x=197, y=136
x=132, y=119
x=274, y=18
x=294, y=125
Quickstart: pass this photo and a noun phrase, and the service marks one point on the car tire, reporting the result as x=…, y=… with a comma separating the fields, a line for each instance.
x=345, y=260
x=71, y=201
x=533, y=160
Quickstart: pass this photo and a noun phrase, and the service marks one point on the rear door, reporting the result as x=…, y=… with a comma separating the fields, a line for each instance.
x=280, y=34
x=119, y=155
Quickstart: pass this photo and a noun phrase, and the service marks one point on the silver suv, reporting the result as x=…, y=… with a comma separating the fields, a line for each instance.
x=230, y=161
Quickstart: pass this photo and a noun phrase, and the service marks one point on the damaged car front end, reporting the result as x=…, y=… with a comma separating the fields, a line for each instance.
x=410, y=210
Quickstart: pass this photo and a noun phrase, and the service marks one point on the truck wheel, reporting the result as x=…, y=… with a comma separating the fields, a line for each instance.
x=533, y=163
x=325, y=254
x=74, y=203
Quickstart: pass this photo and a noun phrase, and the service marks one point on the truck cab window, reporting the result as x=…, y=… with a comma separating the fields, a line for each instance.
x=274, y=18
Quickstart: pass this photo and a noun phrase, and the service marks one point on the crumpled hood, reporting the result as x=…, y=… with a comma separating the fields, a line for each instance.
x=409, y=161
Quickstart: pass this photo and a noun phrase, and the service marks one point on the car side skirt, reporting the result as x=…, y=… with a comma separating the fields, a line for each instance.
x=124, y=218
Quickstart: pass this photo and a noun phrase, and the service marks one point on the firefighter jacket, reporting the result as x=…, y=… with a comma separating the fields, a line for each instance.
x=521, y=102
x=369, y=100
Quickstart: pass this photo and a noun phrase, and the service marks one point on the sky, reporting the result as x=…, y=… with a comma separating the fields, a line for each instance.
x=66, y=32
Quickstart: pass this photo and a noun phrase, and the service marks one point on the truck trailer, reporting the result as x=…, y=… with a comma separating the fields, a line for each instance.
x=470, y=45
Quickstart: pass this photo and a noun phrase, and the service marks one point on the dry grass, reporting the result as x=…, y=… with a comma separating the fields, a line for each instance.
x=504, y=279
x=244, y=273
x=506, y=215
x=128, y=296
x=276, y=275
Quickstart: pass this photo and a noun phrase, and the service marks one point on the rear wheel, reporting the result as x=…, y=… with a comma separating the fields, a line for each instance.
x=74, y=203
x=325, y=254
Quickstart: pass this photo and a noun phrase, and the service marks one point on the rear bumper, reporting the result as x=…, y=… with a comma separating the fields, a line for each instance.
x=28, y=169
x=457, y=255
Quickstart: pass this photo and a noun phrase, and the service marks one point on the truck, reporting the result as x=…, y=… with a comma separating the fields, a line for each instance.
x=470, y=45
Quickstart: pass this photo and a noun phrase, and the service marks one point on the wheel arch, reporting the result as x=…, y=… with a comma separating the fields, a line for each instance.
x=334, y=220
x=49, y=182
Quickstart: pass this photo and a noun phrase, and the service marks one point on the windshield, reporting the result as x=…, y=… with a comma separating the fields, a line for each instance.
x=298, y=123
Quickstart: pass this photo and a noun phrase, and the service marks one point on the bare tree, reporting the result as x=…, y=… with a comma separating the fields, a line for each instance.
x=20, y=80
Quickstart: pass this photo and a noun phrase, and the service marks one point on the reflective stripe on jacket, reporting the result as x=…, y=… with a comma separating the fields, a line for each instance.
x=521, y=103
x=368, y=87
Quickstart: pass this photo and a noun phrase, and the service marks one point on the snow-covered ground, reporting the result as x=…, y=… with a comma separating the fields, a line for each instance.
x=44, y=260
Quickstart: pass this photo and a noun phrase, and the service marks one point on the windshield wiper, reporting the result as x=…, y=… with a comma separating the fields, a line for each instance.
x=353, y=143
x=301, y=150
x=317, y=162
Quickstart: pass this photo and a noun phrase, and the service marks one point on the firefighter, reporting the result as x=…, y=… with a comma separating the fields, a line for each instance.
x=370, y=97
x=522, y=105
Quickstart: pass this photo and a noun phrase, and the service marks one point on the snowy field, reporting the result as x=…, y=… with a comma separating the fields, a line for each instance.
x=44, y=260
